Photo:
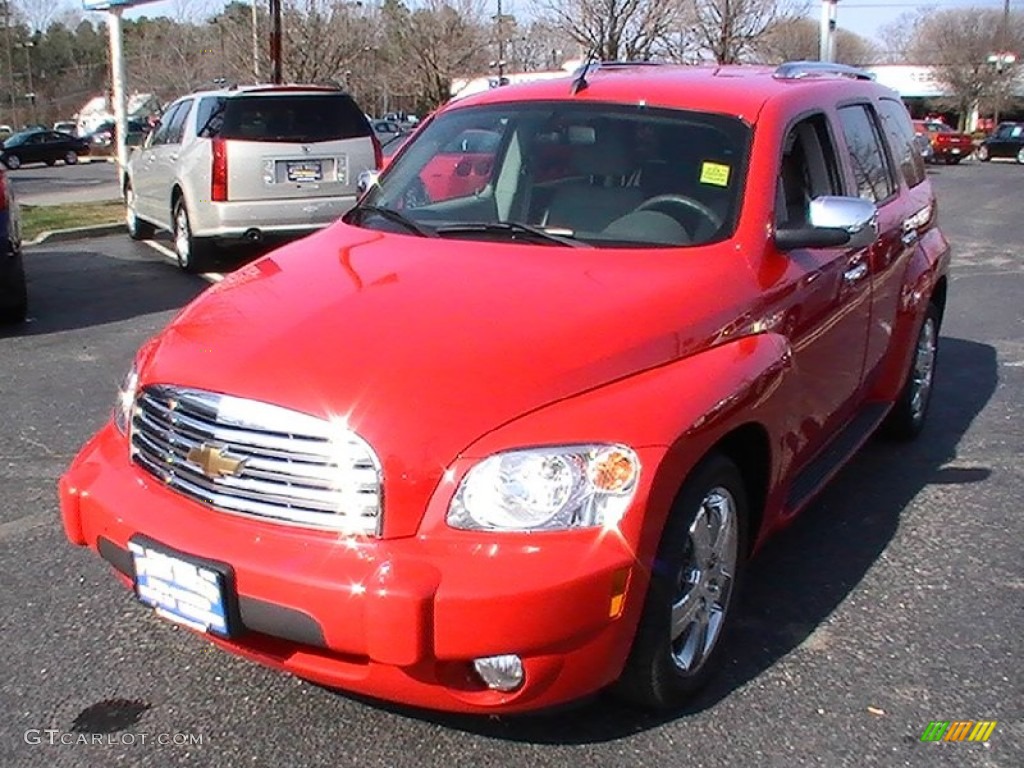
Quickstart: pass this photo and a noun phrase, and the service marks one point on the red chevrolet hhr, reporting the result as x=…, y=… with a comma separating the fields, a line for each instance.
x=494, y=444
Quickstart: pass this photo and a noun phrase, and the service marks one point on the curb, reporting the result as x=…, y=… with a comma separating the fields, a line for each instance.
x=76, y=233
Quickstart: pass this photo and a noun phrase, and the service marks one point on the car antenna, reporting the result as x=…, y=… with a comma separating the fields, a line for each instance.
x=579, y=82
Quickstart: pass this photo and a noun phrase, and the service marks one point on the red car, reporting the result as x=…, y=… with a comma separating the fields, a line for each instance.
x=948, y=146
x=499, y=451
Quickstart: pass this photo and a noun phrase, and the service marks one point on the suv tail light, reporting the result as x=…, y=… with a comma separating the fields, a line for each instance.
x=219, y=175
x=378, y=151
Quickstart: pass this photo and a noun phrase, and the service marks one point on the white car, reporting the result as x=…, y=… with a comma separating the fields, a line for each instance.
x=243, y=164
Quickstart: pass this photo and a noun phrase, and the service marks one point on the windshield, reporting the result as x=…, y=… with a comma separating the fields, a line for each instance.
x=602, y=174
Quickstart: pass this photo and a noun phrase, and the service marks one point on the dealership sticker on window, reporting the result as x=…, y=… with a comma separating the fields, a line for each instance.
x=714, y=173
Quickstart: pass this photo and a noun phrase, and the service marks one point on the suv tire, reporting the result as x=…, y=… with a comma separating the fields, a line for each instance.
x=906, y=419
x=696, y=575
x=194, y=254
x=138, y=229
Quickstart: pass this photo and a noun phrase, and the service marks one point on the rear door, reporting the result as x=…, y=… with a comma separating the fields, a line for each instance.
x=149, y=182
x=288, y=144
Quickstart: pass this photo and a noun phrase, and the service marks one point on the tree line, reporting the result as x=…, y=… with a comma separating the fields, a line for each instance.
x=404, y=54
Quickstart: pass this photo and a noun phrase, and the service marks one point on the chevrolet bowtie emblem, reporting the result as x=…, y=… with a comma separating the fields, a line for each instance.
x=214, y=462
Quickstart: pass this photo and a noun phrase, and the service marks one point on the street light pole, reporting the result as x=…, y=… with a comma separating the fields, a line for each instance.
x=255, y=44
x=827, y=35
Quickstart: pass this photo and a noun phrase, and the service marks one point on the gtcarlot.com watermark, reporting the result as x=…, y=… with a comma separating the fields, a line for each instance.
x=57, y=738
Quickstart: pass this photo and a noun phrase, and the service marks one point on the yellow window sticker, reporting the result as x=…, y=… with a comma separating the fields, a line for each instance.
x=715, y=173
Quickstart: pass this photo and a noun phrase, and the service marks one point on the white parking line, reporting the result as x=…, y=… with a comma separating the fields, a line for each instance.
x=170, y=255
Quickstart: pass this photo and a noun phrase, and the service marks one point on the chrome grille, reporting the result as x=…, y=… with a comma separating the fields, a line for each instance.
x=257, y=459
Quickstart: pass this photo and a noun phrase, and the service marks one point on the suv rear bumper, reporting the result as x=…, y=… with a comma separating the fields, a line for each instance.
x=270, y=217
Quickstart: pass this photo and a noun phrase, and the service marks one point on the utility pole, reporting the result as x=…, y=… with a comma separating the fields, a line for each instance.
x=10, y=63
x=275, y=42
x=255, y=44
x=827, y=37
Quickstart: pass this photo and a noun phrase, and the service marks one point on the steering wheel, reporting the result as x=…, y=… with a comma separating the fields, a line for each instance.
x=691, y=204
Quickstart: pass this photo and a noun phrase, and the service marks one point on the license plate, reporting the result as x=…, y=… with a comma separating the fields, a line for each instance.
x=305, y=171
x=180, y=588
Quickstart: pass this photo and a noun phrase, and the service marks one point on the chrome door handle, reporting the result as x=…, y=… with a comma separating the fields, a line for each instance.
x=855, y=273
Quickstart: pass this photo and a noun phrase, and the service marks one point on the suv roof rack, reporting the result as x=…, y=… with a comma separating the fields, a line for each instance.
x=798, y=70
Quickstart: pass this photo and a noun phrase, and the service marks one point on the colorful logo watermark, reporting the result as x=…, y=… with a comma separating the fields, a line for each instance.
x=958, y=730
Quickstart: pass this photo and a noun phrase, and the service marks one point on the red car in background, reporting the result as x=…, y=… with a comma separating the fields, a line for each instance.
x=948, y=146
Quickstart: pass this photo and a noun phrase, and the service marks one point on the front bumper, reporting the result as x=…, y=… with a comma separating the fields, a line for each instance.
x=398, y=619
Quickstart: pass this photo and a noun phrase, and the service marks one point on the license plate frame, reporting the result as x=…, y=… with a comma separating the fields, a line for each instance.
x=304, y=171
x=192, y=591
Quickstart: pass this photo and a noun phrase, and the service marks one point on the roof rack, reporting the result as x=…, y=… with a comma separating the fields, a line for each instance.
x=798, y=70
x=594, y=66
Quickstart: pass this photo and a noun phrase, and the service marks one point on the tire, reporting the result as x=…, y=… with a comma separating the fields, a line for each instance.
x=698, y=582
x=983, y=154
x=138, y=229
x=194, y=255
x=1020, y=156
x=71, y=158
x=13, y=162
x=51, y=162
x=906, y=419
x=17, y=311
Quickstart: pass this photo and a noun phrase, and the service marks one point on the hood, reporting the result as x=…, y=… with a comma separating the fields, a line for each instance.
x=424, y=345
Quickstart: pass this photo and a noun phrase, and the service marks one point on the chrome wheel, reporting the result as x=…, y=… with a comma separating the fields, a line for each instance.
x=923, y=369
x=182, y=236
x=13, y=162
x=983, y=153
x=1020, y=156
x=705, y=582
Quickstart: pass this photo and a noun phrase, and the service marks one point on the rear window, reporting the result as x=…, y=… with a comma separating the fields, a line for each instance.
x=295, y=118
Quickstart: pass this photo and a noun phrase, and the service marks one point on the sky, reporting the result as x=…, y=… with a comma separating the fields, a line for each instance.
x=865, y=17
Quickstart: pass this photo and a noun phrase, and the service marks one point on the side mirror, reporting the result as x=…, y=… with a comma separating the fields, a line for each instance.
x=366, y=180
x=832, y=222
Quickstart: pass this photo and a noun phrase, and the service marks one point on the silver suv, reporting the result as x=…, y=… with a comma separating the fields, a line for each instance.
x=244, y=163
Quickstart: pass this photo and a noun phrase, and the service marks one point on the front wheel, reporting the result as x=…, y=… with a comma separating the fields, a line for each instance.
x=13, y=162
x=906, y=419
x=138, y=229
x=1020, y=156
x=983, y=154
x=71, y=158
x=692, y=593
x=194, y=255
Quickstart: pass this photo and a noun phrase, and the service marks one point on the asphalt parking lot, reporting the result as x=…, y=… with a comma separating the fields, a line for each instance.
x=91, y=180
x=896, y=600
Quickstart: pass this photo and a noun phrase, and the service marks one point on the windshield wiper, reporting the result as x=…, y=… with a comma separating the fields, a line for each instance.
x=394, y=216
x=514, y=230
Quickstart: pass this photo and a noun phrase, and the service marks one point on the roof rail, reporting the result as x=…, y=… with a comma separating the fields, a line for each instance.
x=594, y=66
x=797, y=70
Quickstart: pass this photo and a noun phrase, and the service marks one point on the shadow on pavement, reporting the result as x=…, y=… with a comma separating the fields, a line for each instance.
x=78, y=287
x=806, y=572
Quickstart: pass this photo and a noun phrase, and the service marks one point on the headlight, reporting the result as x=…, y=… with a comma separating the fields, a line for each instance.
x=555, y=488
x=125, y=401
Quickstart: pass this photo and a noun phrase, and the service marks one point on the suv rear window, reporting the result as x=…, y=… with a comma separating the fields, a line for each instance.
x=299, y=118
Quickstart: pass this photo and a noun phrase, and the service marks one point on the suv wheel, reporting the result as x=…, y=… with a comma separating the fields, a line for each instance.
x=983, y=154
x=906, y=419
x=678, y=643
x=194, y=254
x=16, y=311
x=138, y=229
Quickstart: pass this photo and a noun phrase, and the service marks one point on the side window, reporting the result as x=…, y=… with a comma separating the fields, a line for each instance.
x=210, y=116
x=160, y=134
x=176, y=126
x=900, y=133
x=808, y=169
x=867, y=156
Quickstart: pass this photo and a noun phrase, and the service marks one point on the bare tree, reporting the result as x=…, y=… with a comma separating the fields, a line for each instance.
x=324, y=40
x=728, y=31
x=958, y=44
x=615, y=29
x=798, y=40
